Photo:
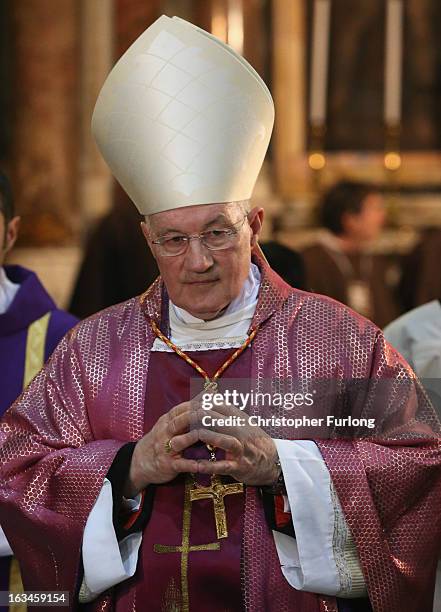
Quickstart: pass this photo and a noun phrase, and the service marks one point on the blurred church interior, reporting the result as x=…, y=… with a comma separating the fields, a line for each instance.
x=357, y=95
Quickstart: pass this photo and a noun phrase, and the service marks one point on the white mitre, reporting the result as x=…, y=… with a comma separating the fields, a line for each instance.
x=182, y=119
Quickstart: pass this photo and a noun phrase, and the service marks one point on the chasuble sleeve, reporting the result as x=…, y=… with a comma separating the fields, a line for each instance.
x=322, y=557
x=107, y=560
x=113, y=531
x=389, y=485
x=5, y=549
x=51, y=471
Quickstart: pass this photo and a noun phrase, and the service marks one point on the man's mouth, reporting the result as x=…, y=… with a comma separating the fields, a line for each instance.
x=203, y=282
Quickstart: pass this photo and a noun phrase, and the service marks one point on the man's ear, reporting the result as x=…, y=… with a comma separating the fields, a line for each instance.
x=145, y=230
x=12, y=233
x=146, y=234
x=255, y=219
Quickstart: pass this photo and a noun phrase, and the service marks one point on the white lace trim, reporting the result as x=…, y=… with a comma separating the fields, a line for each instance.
x=208, y=345
x=352, y=583
x=339, y=542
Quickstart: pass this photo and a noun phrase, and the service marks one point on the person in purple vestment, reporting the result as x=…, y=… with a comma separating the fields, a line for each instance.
x=26, y=312
x=124, y=495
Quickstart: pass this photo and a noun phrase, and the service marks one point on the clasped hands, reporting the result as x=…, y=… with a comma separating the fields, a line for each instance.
x=250, y=453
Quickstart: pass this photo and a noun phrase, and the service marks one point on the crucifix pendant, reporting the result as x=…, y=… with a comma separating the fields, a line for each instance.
x=217, y=491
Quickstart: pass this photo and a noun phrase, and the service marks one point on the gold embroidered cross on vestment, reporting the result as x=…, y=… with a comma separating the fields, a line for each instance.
x=185, y=548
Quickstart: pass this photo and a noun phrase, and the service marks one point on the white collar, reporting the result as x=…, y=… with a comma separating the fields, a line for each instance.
x=227, y=331
x=8, y=290
x=247, y=296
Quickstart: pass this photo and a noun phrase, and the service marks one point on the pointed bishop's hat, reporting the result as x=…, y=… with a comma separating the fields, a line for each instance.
x=182, y=119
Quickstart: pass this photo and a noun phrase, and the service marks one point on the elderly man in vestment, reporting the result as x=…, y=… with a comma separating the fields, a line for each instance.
x=31, y=326
x=122, y=494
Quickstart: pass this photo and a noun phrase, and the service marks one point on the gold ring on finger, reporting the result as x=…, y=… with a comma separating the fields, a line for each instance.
x=168, y=446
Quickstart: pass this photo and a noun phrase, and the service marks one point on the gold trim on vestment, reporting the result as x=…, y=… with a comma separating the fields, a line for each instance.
x=16, y=586
x=172, y=598
x=35, y=343
x=185, y=547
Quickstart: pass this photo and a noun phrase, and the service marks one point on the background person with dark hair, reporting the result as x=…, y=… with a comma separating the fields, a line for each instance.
x=107, y=275
x=339, y=264
x=421, y=279
x=30, y=328
x=287, y=263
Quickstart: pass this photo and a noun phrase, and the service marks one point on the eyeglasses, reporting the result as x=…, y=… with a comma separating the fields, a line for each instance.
x=214, y=240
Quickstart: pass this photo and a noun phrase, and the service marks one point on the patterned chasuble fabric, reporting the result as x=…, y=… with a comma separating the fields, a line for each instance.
x=29, y=331
x=10, y=578
x=60, y=438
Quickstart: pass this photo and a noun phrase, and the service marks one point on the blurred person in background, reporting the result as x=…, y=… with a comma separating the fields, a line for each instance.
x=287, y=263
x=31, y=326
x=421, y=280
x=339, y=263
x=417, y=336
x=107, y=275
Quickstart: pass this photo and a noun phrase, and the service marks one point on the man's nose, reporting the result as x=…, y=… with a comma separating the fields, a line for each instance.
x=198, y=258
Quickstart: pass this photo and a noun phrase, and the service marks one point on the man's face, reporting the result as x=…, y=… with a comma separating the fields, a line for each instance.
x=368, y=223
x=201, y=281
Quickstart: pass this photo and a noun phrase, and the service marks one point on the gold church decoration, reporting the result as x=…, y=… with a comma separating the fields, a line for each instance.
x=393, y=83
x=319, y=82
x=217, y=491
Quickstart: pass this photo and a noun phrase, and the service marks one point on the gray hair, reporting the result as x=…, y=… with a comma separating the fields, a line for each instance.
x=243, y=204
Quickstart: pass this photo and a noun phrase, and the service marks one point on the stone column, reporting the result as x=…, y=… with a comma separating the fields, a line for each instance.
x=97, y=43
x=289, y=90
x=45, y=122
x=5, y=80
x=132, y=17
x=256, y=36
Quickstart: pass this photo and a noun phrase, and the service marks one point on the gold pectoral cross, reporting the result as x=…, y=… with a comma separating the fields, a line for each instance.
x=217, y=491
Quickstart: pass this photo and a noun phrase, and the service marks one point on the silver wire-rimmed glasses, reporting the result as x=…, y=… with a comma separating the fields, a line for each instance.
x=213, y=239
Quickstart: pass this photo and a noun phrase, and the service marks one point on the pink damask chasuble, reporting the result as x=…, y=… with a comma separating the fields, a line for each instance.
x=59, y=439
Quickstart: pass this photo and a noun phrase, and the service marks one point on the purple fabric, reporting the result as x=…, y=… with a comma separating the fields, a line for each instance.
x=354, y=605
x=30, y=303
x=5, y=565
x=213, y=576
